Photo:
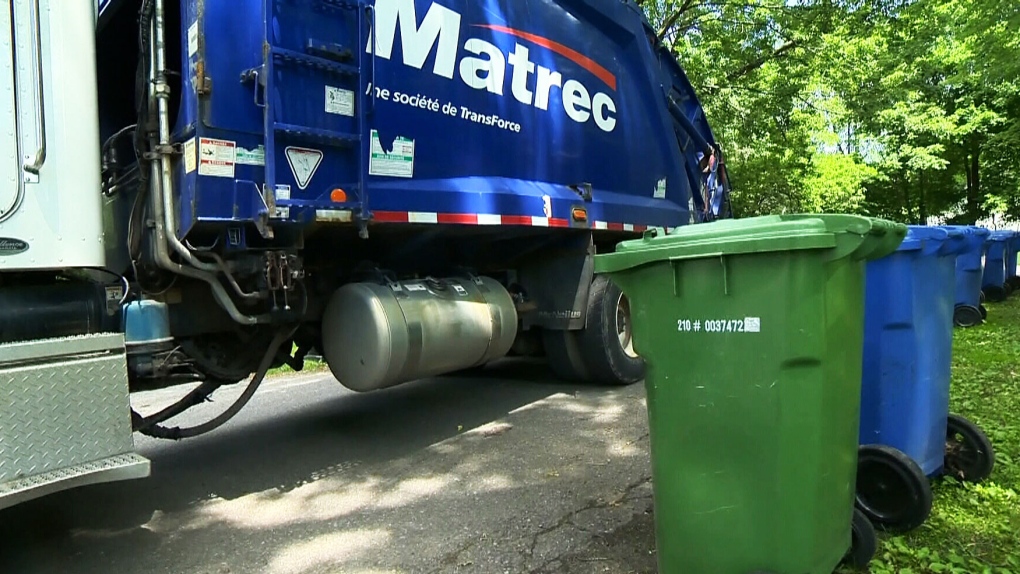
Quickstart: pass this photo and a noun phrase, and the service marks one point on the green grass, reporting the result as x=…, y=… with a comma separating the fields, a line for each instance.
x=311, y=366
x=974, y=529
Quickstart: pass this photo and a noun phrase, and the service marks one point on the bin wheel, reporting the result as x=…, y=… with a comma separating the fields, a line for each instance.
x=984, y=312
x=969, y=454
x=995, y=293
x=1007, y=290
x=967, y=316
x=892, y=490
x=563, y=353
x=607, y=342
x=981, y=296
x=1013, y=282
x=864, y=542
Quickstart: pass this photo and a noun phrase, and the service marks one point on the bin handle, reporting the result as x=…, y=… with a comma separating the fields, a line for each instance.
x=674, y=263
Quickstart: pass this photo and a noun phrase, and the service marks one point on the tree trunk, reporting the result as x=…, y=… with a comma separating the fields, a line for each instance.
x=922, y=208
x=906, y=195
x=974, y=179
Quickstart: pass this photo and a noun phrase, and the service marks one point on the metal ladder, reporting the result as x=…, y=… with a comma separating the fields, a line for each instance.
x=334, y=60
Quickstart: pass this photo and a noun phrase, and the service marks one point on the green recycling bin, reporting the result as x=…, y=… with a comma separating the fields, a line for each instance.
x=753, y=331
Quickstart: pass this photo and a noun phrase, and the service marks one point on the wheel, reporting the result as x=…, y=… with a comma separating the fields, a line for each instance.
x=1007, y=290
x=863, y=543
x=967, y=316
x=984, y=312
x=995, y=293
x=1013, y=282
x=607, y=342
x=892, y=490
x=969, y=454
x=981, y=296
x=563, y=353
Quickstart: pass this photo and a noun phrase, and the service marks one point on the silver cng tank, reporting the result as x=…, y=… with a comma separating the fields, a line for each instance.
x=380, y=335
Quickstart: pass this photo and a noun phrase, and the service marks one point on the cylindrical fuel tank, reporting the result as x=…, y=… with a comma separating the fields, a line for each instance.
x=380, y=335
x=65, y=309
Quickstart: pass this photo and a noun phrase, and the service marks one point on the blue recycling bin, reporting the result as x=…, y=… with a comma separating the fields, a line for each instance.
x=969, y=270
x=907, y=363
x=1012, y=279
x=993, y=280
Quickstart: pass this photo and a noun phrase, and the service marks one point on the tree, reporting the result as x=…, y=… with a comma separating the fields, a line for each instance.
x=906, y=109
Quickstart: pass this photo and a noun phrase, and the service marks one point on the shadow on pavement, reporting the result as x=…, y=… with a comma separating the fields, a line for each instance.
x=299, y=468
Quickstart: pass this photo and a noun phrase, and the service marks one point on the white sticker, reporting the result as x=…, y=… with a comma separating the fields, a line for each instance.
x=398, y=163
x=190, y=161
x=460, y=290
x=114, y=293
x=303, y=164
x=660, y=189
x=416, y=287
x=339, y=101
x=282, y=213
x=334, y=215
x=745, y=325
x=283, y=191
x=255, y=156
x=216, y=157
x=193, y=39
x=547, y=206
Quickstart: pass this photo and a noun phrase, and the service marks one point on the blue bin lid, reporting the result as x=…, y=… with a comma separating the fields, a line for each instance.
x=974, y=236
x=929, y=239
x=1002, y=235
x=955, y=243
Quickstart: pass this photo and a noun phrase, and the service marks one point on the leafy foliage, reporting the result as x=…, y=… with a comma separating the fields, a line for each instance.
x=908, y=109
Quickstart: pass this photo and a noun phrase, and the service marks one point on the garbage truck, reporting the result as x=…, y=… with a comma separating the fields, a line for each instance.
x=194, y=192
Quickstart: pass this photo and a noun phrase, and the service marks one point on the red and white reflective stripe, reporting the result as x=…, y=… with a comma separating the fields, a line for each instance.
x=491, y=219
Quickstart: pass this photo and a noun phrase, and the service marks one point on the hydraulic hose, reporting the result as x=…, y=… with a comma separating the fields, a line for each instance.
x=177, y=433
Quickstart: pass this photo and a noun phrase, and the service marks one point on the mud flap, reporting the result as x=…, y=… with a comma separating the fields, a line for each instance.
x=557, y=284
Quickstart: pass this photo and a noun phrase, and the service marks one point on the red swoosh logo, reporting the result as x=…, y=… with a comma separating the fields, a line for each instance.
x=577, y=57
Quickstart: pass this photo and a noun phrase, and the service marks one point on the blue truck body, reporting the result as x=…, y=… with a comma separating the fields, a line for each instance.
x=515, y=113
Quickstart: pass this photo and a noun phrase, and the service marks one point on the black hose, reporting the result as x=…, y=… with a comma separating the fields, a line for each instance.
x=145, y=14
x=177, y=433
x=198, y=395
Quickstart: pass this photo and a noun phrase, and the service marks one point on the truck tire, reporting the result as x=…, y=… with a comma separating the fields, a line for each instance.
x=606, y=343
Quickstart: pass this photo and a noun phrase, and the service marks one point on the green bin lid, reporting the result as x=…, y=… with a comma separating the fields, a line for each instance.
x=848, y=235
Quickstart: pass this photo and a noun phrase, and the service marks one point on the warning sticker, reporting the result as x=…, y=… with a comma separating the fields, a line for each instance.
x=660, y=189
x=114, y=296
x=398, y=163
x=282, y=192
x=190, y=162
x=339, y=101
x=255, y=156
x=193, y=39
x=303, y=163
x=216, y=157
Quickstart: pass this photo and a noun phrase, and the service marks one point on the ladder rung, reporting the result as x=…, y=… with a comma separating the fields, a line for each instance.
x=336, y=4
x=316, y=134
x=297, y=58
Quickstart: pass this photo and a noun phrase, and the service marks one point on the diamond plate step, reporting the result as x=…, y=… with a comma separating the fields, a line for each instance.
x=65, y=416
x=114, y=468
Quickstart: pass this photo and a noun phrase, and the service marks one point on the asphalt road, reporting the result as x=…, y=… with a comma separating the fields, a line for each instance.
x=503, y=471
